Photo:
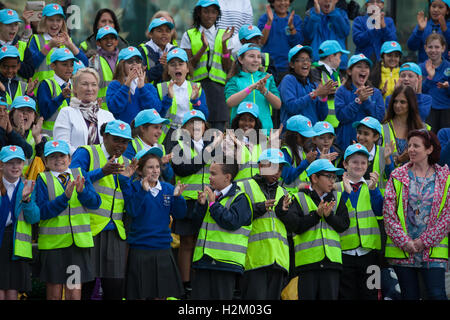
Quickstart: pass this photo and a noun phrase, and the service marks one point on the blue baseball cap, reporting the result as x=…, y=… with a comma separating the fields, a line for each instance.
x=128, y=53
x=357, y=58
x=207, y=3
x=9, y=52
x=302, y=125
x=323, y=127
x=355, y=148
x=447, y=2
x=322, y=165
x=8, y=16
x=248, y=31
x=77, y=65
x=391, y=46
x=329, y=47
x=149, y=116
x=411, y=66
x=56, y=146
x=11, y=152
x=297, y=49
x=177, y=53
x=157, y=151
x=62, y=54
x=104, y=31
x=246, y=47
x=52, y=9
x=193, y=114
x=119, y=128
x=248, y=107
x=23, y=102
x=273, y=156
x=371, y=123
x=159, y=22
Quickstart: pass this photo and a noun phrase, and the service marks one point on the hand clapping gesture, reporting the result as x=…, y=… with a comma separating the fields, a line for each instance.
x=77, y=184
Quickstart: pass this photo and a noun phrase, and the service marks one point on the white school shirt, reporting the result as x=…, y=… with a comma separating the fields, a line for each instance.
x=224, y=191
x=155, y=190
x=10, y=187
x=183, y=100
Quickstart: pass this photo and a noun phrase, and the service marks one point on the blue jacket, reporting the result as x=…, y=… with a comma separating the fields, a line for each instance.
x=279, y=42
x=150, y=216
x=369, y=41
x=444, y=139
x=416, y=41
x=154, y=75
x=125, y=106
x=296, y=100
x=348, y=111
x=289, y=172
x=424, y=102
x=46, y=104
x=320, y=27
x=441, y=97
x=30, y=211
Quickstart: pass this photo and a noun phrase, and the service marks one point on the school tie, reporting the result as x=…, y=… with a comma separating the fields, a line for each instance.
x=356, y=186
x=64, y=178
x=218, y=196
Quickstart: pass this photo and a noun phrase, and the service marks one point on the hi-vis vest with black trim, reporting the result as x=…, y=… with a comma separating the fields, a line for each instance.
x=319, y=241
x=21, y=91
x=113, y=204
x=138, y=145
x=363, y=230
x=268, y=234
x=220, y=244
x=22, y=236
x=202, y=71
x=44, y=71
x=439, y=251
x=303, y=177
x=72, y=226
x=106, y=76
x=331, y=117
x=248, y=165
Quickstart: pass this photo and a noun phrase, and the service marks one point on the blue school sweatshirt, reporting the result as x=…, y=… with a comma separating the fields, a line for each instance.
x=424, y=102
x=289, y=172
x=441, y=97
x=125, y=106
x=369, y=41
x=320, y=27
x=150, y=216
x=46, y=104
x=296, y=100
x=444, y=139
x=416, y=41
x=348, y=111
x=279, y=42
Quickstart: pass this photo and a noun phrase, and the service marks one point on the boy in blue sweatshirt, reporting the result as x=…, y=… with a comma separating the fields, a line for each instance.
x=326, y=22
x=369, y=38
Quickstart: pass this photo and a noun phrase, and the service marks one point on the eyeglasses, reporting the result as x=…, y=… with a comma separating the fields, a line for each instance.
x=330, y=176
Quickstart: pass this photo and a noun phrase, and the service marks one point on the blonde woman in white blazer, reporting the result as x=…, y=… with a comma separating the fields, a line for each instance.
x=79, y=124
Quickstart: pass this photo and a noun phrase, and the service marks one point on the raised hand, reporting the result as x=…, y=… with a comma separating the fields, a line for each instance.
x=36, y=130
x=389, y=149
x=269, y=13
x=31, y=86
x=205, y=40
x=163, y=59
x=287, y=200
x=79, y=184
x=431, y=70
x=372, y=183
x=201, y=197
x=346, y=183
x=131, y=169
x=170, y=92
x=209, y=194
x=195, y=94
x=421, y=20
x=179, y=188
x=317, y=6
x=67, y=91
x=166, y=159
x=28, y=189
x=69, y=188
x=111, y=167
x=269, y=204
x=311, y=156
x=291, y=21
x=324, y=90
x=228, y=34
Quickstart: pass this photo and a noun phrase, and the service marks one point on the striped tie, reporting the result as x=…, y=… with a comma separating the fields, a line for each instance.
x=64, y=178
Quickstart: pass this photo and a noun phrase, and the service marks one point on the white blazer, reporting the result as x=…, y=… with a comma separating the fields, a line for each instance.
x=71, y=127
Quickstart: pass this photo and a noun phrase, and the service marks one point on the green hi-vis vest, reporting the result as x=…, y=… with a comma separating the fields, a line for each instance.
x=44, y=71
x=379, y=164
x=268, y=233
x=113, y=204
x=72, y=226
x=303, y=177
x=319, y=241
x=138, y=145
x=248, y=166
x=265, y=60
x=439, y=251
x=195, y=182
x=331, y=117
x=22, y=238
x=31, y=142
x=220, y=244
x=163, y=89
x=363, y=230
x=150, y=62
x=202, y=71
x=106, y=76
x=21, y=91
x=55, y=90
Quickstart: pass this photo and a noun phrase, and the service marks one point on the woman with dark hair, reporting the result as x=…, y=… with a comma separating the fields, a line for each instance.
x=417, y=218
x=104, y=17
x=402, y=116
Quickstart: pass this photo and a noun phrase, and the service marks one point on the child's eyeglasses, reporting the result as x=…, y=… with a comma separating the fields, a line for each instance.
x=330, y=176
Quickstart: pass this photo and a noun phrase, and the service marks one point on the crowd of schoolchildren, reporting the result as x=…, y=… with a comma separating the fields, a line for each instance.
x=333, y=179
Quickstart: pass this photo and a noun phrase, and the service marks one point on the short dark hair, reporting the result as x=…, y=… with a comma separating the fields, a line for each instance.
x=429, y=139
x=272, y=1
x=229, y=168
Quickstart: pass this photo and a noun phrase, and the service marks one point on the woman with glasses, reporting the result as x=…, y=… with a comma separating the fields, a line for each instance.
x=129, y=92
x=299, y=93
x=417, y=219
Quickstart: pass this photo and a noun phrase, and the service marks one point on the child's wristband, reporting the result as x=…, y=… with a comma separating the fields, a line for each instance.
x=267, y=27
x=226, y=56
x=27, y=27
x=47, y=47
x=324, y=99
x=247, y=90
x=211, y=203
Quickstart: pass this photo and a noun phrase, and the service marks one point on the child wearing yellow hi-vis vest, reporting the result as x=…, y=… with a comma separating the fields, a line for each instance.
x=361, y=242
x=265, y=274
x=18, y=211
x=319, y=215
x=104, y=164
x=65, y=197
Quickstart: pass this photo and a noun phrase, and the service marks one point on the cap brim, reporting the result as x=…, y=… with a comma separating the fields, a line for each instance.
x=12, y=20
x=308, y=134
x=193, y=117
x=46, y=154
x=22, y=106
x=6, y=159
x=9, y=55
x=153, y=150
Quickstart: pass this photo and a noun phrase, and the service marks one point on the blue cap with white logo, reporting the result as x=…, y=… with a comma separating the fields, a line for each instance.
x=248, y=107
x=177, y=53
x=193, y=114
x=157, y=151
x=411, y=66
x=247, y=47
x=62, y=54
x=297, y=49
x=77, y=65
x=323, y=127
x=11, y=152
x=273, y=156
x=322, y=165
x=355, y=148
x=207, y=3
x=119, y=128
x=104, y=31
x=54, y=146
x=8, y=16
x=23, y=102
x=9, y=52
x=391, y=46
x=302, y=125
x=149, y=116
x=249, y=31
x=329, y=47
x=52, y=9
x=357, y=58
x=369, y=122
x=159, y=22
x=128, y=53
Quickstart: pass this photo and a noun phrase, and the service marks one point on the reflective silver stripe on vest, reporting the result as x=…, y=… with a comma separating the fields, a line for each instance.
x=164, y=92
x=51, y=184
x=22, y=236
x=317, y=243
x=64, y=230
x=98, y=66
x=216, y=227
x=382, y=161
x=138, y=145
x=221, y=246
x=43, y=66
x=268, y=235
